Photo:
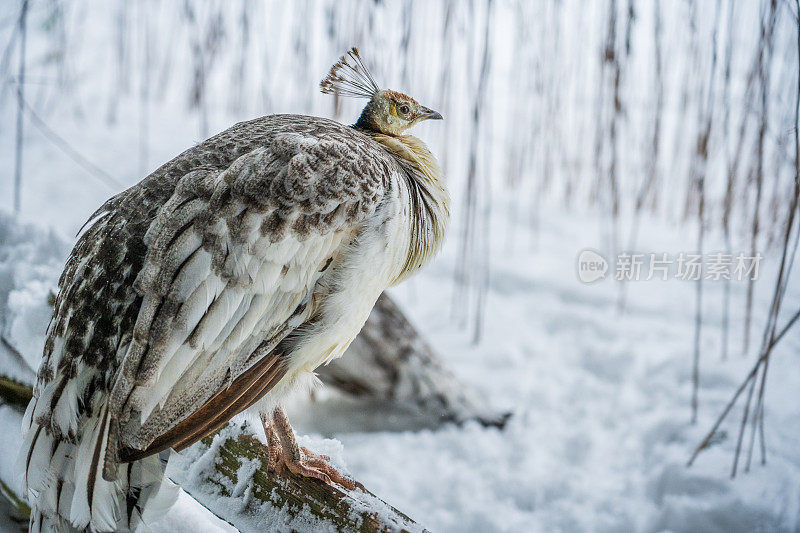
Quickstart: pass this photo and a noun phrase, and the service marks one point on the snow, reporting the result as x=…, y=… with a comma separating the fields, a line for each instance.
x=31, y=260
x=601, y=428
x=10, y=440
x=187, y=515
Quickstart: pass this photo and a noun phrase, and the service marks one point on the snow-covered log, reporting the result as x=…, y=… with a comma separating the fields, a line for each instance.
x=390, y=361
x=226, y=472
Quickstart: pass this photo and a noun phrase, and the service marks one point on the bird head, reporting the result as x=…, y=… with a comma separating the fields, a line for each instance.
x=388, y=112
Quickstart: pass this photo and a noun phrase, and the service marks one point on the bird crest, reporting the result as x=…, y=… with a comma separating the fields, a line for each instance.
x=350, y=77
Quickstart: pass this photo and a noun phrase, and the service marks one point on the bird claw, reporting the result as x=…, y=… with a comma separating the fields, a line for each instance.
x=313, y=455
x=317, y=466
x=285, y=454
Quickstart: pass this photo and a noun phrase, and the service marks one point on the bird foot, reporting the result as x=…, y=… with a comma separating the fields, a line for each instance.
x=286, y=455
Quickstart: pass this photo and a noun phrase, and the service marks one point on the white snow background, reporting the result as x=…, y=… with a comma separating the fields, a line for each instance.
x=600, y=433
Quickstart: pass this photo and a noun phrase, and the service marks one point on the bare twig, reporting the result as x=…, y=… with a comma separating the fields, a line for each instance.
x=783, y=272
x=23, y=34
x=700, y=164
x=69, y=151
x=721, y=418
x=727, y=203
x=469, y=263
x=758, y=373
x=780, y=287
x=765, y=46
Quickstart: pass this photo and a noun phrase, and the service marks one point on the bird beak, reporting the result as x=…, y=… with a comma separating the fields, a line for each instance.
x=429, y=114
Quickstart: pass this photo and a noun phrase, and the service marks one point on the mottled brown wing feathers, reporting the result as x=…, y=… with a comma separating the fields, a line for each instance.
x=243, y=392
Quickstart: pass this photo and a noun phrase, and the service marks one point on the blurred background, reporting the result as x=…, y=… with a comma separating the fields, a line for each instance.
x=628, y=127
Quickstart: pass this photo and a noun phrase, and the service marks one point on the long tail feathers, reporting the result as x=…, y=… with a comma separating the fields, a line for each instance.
x=67, y=491
x=96, y=500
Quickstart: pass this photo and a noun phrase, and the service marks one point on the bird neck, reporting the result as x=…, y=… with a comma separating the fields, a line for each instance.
x=366, y=122
x=428, y=197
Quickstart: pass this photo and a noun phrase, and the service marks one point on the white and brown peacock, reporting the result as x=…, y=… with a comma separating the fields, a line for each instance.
x=216, y=285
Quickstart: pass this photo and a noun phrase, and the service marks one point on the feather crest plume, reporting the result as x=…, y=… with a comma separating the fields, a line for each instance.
x=350, y=77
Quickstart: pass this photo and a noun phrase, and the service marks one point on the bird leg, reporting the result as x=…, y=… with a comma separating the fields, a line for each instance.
x=286, y=454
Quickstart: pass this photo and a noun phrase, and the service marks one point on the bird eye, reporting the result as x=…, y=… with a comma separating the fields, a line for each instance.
x=404, y=109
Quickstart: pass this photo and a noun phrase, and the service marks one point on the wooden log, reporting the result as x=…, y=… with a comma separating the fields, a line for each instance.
x=236, y=472
x=14, y=393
